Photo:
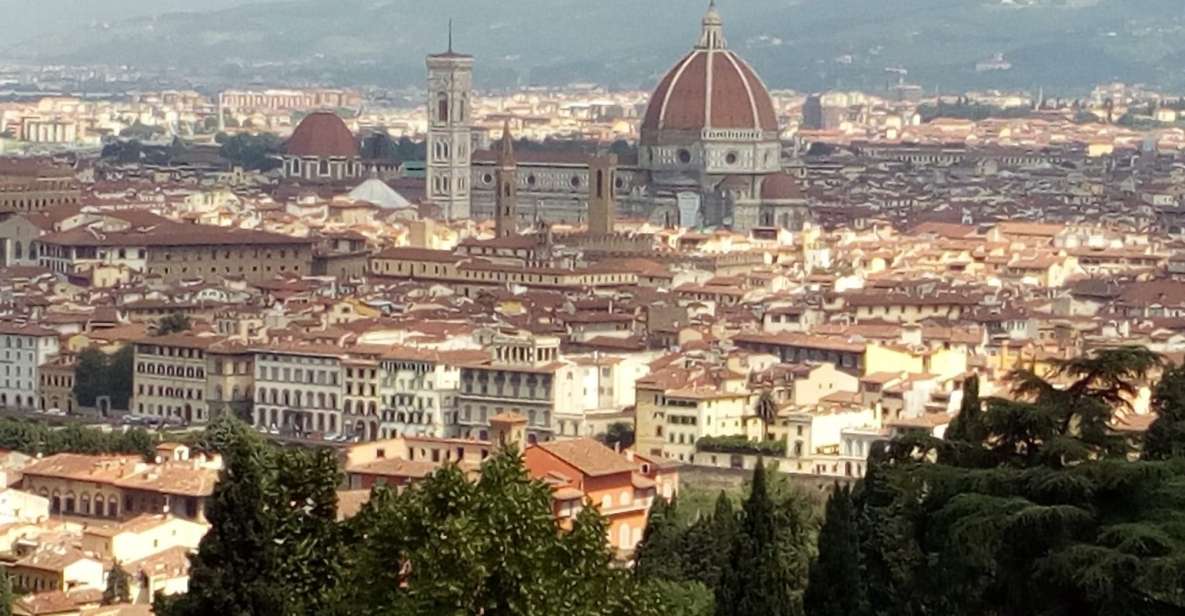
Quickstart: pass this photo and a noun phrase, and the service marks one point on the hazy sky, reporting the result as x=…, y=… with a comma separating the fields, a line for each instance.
x=32, y=17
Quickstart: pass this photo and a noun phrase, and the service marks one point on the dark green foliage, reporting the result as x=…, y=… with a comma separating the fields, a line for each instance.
x=274, y=546
x=620, y=435
x=967, y=426
x=380, y=146
x=682, y=598
x=6, y=594
x=174, y=323
x=755, y=581
x=37, y=438
x=99, y=374
x=252, y=152
x=452, y=546
x=742, y=445
x=660, y=553
x=1165, y=438
x=836, y=586
x=1051, y=516
x=118, y=586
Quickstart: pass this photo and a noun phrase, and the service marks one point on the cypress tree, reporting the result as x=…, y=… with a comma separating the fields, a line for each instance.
x=119, y=587
x=755, y=583
x=1165, y=438
x=659, y=554
x=836, y=586
x=6, y=596
x=967, y=426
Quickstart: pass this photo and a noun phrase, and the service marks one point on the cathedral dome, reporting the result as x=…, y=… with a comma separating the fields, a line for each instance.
x=322, y=135
x=710, y=88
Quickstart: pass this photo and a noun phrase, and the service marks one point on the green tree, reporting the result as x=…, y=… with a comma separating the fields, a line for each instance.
x=90, y=376
x=707, y=544
x=619, y=435
x=272, y=547
x=98, y=374
x=659, y=554
x=755, y=583
x=682, y=598
x=836, y=586
x=1057, y=519
x=260, y=152
x=1165, y=438
x=967, y=426
x=451, y=546
x=6, y=595
x=119, y=589
x=173, y=323
x=120, y=377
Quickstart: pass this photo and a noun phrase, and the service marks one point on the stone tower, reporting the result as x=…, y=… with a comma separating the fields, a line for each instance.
x=602, y=206
x=450, y=128
x=506, y=185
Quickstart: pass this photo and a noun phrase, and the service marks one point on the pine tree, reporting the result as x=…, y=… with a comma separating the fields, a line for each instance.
x=755, y=583
x=836, y=585
x=119, y=586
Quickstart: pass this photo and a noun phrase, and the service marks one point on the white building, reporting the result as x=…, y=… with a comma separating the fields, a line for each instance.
x=298, y=391
x=25, y=349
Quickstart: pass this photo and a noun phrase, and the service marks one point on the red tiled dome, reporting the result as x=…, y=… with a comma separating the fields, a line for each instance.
x=711, y=87
x=323, y=135
x=781, y=187
x=738, y=98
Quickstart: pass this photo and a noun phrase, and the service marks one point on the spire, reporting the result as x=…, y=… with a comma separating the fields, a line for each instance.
x=506, y=151
x=450, y=35
x=712, y=34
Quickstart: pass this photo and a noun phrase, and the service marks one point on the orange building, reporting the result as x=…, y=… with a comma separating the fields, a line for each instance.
x=583, y=471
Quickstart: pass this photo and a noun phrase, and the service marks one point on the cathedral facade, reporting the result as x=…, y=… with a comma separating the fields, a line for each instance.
x=710, y=144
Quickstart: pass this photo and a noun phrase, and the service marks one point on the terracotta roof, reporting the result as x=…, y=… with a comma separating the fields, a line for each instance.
x=47, y=603
x=99, y=469
x=781, y=186
x=394, y=467
x=588, y=456
x=172, y=479
x=170, y=234
x=324, y=135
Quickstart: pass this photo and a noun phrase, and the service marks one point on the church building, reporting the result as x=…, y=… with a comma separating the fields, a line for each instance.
x=709, y=155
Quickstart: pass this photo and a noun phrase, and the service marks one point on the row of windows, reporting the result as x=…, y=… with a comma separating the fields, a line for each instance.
x=181, y=393
x=296, y=398
x=168, y=351
x=170, y=370
x=298, y=375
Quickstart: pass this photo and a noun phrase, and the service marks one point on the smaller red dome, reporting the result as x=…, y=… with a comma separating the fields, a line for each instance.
x=322, y=135
x=781, y=187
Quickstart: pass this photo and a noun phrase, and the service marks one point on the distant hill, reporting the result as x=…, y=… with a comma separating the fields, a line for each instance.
x=802, y=44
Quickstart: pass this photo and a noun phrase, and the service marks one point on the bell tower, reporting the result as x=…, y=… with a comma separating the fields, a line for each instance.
x=602, y=205
x=450, y=128
x=506, y=185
